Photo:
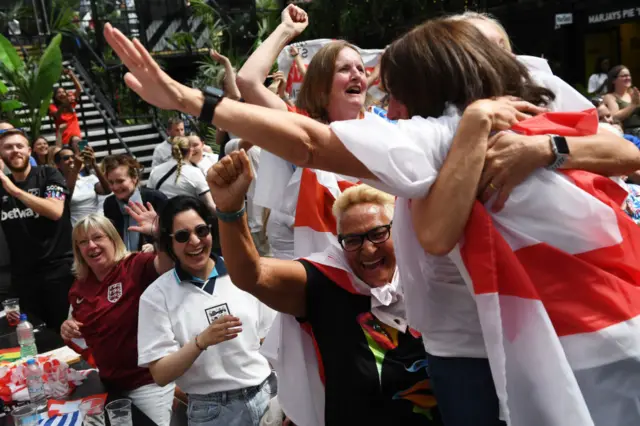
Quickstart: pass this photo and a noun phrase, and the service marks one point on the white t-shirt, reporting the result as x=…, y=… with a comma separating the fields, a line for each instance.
x=85, y=200
x=207, y=161
x=595, y=82
x=161, y=154
x=172, y=313
x=444, y=312
x=191, y=181
x=254, y=212
x=280, y=235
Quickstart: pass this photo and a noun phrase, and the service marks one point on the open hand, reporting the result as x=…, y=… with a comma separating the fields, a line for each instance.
x=229, y=181
x=295, y=19
x=635, y=96
x=70, y=330
x=145, y=77
x=9, y=186
x=223, y=329
x=146, y=217
x=506, y=111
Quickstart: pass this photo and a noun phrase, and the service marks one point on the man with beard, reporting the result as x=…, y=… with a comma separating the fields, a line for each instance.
x=36, y=224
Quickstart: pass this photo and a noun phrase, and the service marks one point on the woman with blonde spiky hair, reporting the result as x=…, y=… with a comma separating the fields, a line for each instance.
x=349, y=295
x=178, y=176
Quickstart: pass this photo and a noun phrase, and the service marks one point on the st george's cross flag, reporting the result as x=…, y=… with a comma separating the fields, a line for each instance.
x=290, y=346
x=555, y=274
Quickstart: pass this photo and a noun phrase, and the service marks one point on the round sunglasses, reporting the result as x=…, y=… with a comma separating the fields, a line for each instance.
x=183, y=235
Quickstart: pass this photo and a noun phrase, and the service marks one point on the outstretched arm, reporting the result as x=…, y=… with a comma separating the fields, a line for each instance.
x=230, y=87
x=293, y=137
x=252, y=75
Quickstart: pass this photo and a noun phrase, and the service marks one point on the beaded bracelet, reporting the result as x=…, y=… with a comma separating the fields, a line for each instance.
x=230, y=217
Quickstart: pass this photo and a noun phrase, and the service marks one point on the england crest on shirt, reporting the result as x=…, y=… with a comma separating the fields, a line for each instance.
x=216, y=312
x=114, y=292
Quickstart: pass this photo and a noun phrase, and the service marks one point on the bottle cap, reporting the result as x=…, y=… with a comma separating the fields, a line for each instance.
x=23, y=317
x=31, y=361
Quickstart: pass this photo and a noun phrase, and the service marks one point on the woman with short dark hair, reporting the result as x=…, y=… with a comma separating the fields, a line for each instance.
x=123, y=173
x=198, y=329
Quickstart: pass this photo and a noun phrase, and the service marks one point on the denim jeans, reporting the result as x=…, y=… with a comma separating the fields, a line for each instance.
x=465, y=391
x=242, y=407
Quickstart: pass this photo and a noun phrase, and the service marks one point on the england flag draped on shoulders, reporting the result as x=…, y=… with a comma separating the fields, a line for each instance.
x=555, y=275
x=290, y=346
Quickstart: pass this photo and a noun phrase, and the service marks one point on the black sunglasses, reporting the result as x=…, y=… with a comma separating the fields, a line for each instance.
x=183, y=235
x=353, y=242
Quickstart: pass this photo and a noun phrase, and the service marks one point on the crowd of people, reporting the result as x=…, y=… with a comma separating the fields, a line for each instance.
x=319, y=271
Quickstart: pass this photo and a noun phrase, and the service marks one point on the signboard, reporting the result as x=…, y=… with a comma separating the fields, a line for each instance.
x=564, y=19
x=615, y=15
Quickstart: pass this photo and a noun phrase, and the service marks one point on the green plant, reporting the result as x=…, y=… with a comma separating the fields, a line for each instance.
x=63, y=18
x=181, y=41
x=33, y=80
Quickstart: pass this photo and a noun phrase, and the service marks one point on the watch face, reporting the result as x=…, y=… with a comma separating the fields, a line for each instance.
x=214, y=91
x=561, y=144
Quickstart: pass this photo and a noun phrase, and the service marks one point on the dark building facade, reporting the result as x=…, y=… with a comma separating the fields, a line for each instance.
x=572, y=34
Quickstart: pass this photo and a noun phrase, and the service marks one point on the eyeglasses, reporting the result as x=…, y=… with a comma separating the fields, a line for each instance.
x=65, y=157
x=353, y=242
x=183, y=235
x=96, y=239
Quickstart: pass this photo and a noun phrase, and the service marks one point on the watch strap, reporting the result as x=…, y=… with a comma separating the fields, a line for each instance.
x=207, y=112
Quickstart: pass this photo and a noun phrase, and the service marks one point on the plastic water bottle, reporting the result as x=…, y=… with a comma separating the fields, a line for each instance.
x=26, y=338
x=35, y=383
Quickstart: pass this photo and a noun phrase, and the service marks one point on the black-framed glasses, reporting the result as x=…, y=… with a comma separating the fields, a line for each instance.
x=377, y=235
x=183, y=235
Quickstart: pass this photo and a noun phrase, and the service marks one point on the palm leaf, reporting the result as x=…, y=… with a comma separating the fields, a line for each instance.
x=9, y=56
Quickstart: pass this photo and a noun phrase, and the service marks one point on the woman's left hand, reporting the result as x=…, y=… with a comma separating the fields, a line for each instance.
x=145, y=216
x=510, y=159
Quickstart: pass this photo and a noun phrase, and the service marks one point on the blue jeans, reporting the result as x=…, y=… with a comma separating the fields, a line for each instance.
x=465, y=391
x=242, y=407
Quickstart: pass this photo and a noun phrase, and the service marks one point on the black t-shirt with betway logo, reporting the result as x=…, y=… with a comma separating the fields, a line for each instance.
x=36, y=244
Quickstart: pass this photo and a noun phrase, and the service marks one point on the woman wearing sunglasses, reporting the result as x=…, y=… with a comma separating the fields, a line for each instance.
x=104, y=299
x=84, y=187
x=198, y=329
x=374, y=367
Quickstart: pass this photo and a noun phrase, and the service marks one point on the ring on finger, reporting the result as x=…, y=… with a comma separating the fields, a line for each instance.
x=493, y=187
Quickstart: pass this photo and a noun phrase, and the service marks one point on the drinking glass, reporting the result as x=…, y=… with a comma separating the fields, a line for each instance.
x=119, y=412
x=12, y=311
x=93, y=411
x=27, y=415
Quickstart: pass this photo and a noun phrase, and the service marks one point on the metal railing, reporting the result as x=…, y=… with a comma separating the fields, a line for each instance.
x=110, y=130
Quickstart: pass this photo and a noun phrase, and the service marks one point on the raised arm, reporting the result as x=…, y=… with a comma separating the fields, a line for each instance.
x=622, y=114
x=102, y=187
x=293, y=137
x=230, y=87
x=280, y=284
x=75, y=81
x=251, y=76
x=297, y=61
x=147, y=223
